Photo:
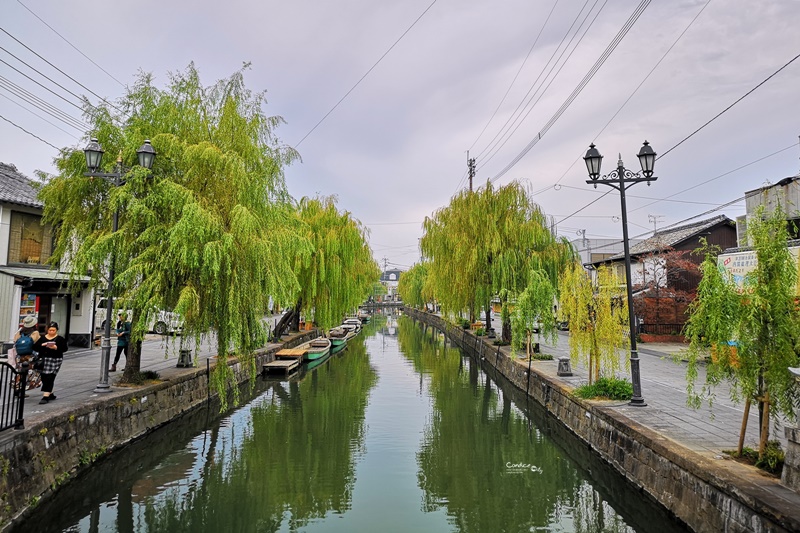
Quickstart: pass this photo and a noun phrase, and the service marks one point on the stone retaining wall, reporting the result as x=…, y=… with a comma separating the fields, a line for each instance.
x=40, y=459
x=702, y=495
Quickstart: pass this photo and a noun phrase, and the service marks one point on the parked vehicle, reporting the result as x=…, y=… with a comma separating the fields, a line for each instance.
x=160, y=321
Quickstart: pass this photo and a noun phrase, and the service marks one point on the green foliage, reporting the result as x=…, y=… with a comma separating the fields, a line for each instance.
x=413, y=286
x=340, y=272
x=761, y=317
x=534, y=311
x=480, y=332
x=598, y=319
x=487, y=241
x=211, y=233
x=605, y=387
x=772, y=460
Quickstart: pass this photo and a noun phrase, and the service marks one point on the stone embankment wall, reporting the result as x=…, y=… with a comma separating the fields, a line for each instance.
x=42, y=458
x=702, y=495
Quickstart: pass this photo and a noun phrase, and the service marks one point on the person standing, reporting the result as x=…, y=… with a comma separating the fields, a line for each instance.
x=24, y=339
x=51, y=347
x=123, y=339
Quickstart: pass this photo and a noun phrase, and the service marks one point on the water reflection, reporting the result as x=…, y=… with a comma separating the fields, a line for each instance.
x=484, y=463
x=397, y=433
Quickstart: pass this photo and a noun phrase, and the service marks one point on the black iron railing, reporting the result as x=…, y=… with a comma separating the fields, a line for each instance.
x=661, y=329
x=13, y=383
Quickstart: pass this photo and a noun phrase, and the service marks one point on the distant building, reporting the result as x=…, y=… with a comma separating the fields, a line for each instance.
x=786, y=193
x=390, y=278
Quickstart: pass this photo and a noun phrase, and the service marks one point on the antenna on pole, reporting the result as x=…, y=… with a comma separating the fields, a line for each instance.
x=654, y=219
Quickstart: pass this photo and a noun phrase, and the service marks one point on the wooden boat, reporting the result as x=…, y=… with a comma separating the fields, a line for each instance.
x=338, y=337
x=354, y=322
x=317, y=349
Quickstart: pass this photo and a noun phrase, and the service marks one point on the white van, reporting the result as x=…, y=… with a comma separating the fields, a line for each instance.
x=161, y=322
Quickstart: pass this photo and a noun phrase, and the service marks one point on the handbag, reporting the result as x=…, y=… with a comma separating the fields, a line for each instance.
x=37, y=363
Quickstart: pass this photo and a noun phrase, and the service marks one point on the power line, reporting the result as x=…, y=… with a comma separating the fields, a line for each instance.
x=748, y=93
x=575, y=93
x=658, y=63
x=364, y=76
x=42, y=105
x=29, y=133
x=69, y=43
x=516, y=75
x=41, y=117
x=42, y=86
x=717, y=177
x=688, y=189
x=525, y=103
x=55, y=67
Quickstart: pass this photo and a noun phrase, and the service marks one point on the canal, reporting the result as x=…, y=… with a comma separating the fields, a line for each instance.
x=399, y=432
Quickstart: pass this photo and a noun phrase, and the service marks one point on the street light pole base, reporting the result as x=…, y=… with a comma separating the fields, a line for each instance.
x=638, y=402
x=102, y=387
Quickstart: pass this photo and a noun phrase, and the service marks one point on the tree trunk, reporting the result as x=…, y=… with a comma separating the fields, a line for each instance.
x=744, y=427
x=296, y=318
x=528, y=344
x=488, y=317
x=133, y=362
x=506, y=331
x=764, y=437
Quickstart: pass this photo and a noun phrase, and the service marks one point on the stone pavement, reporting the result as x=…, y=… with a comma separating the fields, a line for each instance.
x=80, y=373
x=707, y=430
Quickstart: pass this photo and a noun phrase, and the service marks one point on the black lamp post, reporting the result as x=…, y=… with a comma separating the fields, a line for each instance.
x=621, y=178
x=94, y=156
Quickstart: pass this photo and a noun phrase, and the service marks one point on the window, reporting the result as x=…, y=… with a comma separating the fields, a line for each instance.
x=29, y=241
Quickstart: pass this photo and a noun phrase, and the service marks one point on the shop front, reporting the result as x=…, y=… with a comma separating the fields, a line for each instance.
x=44, y=293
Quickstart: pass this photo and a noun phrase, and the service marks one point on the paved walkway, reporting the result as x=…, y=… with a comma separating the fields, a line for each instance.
x=707, y=430
x=80, y=373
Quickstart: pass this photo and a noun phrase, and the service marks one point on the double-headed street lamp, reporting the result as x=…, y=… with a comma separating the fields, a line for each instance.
x=94, y=155
x=621, y=178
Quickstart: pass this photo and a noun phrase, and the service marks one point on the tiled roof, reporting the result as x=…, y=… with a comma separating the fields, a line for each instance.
x=17, y=188
x=670, y=237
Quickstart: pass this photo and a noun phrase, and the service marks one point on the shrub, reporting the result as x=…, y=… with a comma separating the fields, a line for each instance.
x=610, y=388
x=480, y=332
x=772, y=462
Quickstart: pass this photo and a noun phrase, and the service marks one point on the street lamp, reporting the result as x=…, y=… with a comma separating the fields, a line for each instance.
x=94, y=156
x=621, y=178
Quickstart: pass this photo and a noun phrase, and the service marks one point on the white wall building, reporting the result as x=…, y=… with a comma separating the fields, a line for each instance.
x=28, y=285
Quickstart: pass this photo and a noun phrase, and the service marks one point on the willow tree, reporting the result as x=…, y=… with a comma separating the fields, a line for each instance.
x=484, y=244
x=339, y=273
x=534, y=312
x=598, y=319
x=413, y=288
x=759, y=321
x=209, y=233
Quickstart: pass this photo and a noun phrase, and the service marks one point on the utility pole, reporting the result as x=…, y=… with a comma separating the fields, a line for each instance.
x=471, y=168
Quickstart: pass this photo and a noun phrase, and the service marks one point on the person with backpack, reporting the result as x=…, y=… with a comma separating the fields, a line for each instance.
x=123, y=338
x=50, y=347
x=24, y=339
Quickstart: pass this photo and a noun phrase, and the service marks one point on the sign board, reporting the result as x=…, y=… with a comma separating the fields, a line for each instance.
x=739, y=264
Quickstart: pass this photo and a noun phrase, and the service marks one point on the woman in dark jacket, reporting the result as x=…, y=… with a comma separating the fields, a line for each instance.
x=51, y=347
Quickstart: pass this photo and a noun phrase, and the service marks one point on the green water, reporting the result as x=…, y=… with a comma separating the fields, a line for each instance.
x=400, y=432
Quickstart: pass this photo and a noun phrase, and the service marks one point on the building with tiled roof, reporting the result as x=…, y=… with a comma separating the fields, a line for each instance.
x=29, y=285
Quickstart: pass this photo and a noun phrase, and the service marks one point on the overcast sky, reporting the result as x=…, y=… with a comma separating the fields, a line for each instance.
x=395, y=149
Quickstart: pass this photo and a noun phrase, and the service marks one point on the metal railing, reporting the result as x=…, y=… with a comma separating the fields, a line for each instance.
x=661, y=329
x=13, y=383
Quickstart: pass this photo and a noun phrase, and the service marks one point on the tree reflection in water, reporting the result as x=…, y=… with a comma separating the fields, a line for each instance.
x=292, y=461
x=483, y=462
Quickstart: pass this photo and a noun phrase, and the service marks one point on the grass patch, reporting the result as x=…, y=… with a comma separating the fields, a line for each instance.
x=606, y=388
x=773, y=460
